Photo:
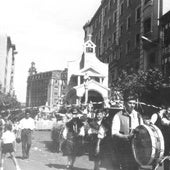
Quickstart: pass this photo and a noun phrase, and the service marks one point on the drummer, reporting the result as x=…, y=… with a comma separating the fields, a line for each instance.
x=162, y=120
x=123, y=125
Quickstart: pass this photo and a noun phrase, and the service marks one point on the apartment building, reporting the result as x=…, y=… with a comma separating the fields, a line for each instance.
x=7, y=64
x=45, y=88
x=165, y=43
x=126, y=34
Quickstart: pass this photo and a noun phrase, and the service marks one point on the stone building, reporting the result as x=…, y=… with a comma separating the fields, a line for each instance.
x=126, y=34
x=87, y=78
x=7, y=65
x=165, y=42
x=46, y=88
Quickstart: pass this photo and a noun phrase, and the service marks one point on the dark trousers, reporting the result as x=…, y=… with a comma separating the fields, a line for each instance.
x=124, y=155
x=26, y=139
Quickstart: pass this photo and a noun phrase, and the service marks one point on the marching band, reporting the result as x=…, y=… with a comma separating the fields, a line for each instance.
x=114, y=139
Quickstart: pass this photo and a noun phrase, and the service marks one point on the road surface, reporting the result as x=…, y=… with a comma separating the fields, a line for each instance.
x=44, y=157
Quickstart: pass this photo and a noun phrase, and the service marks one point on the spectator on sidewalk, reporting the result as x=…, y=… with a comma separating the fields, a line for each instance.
x=8, y=146
x=27, y=125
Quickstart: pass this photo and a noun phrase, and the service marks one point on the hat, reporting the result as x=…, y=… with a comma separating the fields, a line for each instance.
x=73, y=111
x=129, y=95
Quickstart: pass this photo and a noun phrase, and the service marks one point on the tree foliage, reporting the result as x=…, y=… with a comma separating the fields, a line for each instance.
x=8, y=102
x=146, y=84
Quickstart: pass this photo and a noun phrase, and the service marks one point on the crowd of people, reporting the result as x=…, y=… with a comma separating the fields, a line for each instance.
x=12, y=132
x=107, y=139
x=105, y=136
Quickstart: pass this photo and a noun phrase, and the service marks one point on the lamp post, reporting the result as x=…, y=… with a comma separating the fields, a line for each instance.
x=86, y=81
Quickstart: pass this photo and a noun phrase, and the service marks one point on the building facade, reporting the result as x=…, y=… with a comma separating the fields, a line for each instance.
x=87, y=78
x=47, y=88
x=165, y=43
x=126, y=34
x=7, y=65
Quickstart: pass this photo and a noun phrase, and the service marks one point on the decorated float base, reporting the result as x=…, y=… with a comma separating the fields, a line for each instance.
x=45, y=124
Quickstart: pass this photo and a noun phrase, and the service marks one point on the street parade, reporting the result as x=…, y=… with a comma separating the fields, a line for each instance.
x=85, y=85
x=114, y=137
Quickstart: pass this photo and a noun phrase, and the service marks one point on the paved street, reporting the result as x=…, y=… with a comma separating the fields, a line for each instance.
x=43, y=156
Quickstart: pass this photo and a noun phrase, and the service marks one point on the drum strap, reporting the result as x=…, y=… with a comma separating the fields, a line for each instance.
x=130, y=124
x=139, y=119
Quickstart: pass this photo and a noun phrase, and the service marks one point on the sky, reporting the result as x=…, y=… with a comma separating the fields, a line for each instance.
x=48, y=32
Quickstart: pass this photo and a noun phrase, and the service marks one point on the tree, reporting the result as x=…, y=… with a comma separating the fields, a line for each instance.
x=146, y=85
x=8, y=102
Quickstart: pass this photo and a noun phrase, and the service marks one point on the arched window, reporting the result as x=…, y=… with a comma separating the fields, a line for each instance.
x=89, y=49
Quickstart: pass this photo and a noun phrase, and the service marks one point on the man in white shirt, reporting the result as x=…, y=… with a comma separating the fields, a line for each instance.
x=123, y=125
x=27, y=125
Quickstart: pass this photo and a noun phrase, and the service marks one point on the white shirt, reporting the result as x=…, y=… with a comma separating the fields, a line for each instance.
x=116, y=122
x=27, y=123
x=8, y=137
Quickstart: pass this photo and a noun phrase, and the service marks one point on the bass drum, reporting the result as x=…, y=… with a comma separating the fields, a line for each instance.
x=147, y=144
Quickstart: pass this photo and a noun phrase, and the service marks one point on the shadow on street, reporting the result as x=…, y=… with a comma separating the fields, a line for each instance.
x=59, y=166
x=49, y=145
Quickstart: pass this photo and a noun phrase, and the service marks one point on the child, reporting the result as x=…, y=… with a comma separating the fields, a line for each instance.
x=8, y=144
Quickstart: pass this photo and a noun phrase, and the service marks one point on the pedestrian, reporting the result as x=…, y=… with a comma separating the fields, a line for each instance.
x=162, y=120
x=8, y=146
x=73, y=135
x=26, y=125
x=7, y=120
x=123, y=124
x=2, y=125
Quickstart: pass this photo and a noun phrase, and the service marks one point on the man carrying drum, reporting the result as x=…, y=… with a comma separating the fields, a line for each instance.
x=123, y=125
x=162, y=121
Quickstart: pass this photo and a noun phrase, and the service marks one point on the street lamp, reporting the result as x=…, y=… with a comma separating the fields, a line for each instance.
x=147, y=39
x=86, y=81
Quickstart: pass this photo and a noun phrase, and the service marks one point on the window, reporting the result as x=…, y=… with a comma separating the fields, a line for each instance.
x=128, y=23
x=105, y=46
x=109, y=23
x=109, y=4
x=114, y=16
x=96, y=39
x=96, y=23
x=99, y=18
x=109, y=41
x=121, y=29
x=105, y=28
x=119, y=53
x=137, y=39
x=121, y=9
x=110, y=58
x=146, y=1
x=89, y=49
x=105, y=11
x=147, y=25
x=127, y=47
x=128, y=3
x=114, y=37
x=138, y=13
x=152, y=59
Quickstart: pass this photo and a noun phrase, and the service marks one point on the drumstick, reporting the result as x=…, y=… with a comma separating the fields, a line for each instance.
x=160, y=162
